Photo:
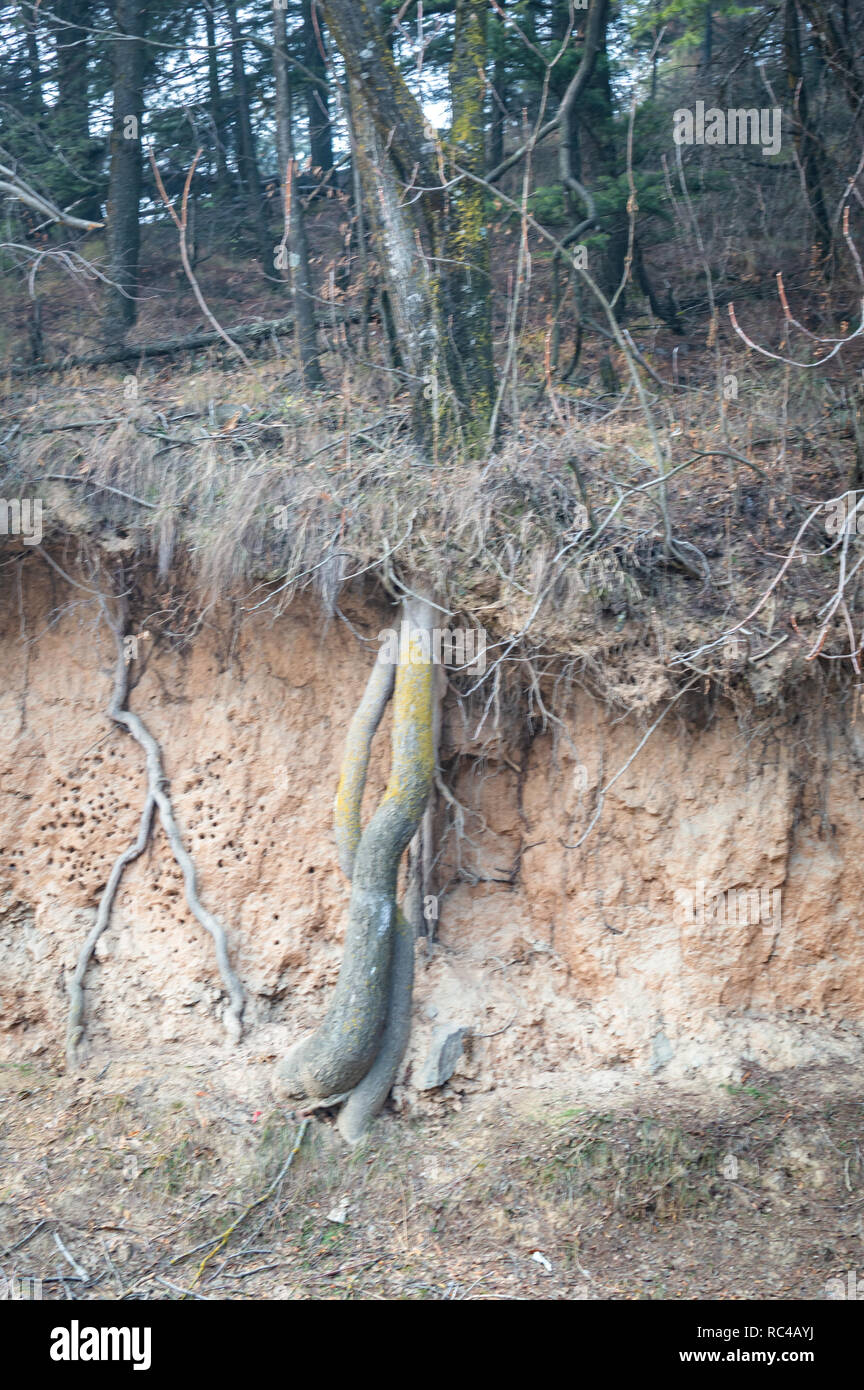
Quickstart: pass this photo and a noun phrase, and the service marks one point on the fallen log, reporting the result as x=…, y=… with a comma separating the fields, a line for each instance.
x=164, y=347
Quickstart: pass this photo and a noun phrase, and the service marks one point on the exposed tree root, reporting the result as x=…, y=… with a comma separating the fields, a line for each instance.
x=362, y=1038
x=157, y=797
x=368, y=1096
x=355, y=761
x=157, y=783
x=75, y=982
x=421, y=852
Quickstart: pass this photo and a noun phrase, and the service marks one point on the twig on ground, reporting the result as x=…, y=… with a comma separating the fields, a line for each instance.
x=77, y=1269
x=226, y=1235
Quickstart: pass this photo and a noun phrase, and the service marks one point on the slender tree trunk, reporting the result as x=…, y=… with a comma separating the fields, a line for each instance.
x=37, y=339
x=317, y=95
x=124, y=187
x=409, y=291
x=35, y=96
x=298, y=246
x=606, y=163
x=575, y=92
x=284, y=133
x=708, y=39
x=390, y=141
x=529, y=14
x=498, y=95
x=565, y=26
x=466, y=281
x=806, y=144
x=370, y=289
x=247, y=161
x=73, y=54
x=217, y=104
x=70, y=117
x=668, y=312
x=396, y=152
x=837, y=52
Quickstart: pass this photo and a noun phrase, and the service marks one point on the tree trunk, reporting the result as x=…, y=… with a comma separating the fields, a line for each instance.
x=806, y=143
x=566, y=21
x=466, y=281
x=124, y=187
x=217, y=104
x=396, y=151
x=498, y=95
x=298, y=246
x=409, y=288
x=708, y=39
x=317, y=95
x=836, y=51
x=247, y=161
x=35, y=101
x=77, y=182
x=605, y=163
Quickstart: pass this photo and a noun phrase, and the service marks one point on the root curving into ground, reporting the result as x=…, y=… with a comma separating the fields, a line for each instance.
x=356, y=1050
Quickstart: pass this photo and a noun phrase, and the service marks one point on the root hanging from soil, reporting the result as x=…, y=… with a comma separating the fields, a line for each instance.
x=75, y=982
x=360, y=1043
x=157, y=798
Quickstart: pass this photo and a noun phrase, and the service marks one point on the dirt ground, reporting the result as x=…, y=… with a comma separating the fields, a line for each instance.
x=145, y=1182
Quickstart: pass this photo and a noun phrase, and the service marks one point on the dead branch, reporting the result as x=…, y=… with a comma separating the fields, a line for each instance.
x=226, y=1235
x=181, y=223
x=835, y=344
x=15, y=187
x=164, y=347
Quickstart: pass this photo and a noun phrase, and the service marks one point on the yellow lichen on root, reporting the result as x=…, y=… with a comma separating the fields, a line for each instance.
x=413, y=752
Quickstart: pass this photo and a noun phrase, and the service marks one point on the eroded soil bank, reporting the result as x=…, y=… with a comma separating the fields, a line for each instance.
x=661, y=1106
x=593, y=959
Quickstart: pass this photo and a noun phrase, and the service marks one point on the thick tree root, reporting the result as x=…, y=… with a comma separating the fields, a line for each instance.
x=421, y=851
x=355, y=761
x=157, y=798
x=369, y=1095
x=341, y=1052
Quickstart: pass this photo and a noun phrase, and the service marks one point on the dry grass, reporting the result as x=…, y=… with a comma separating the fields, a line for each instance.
x=215, y=483
x=754, y=1194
